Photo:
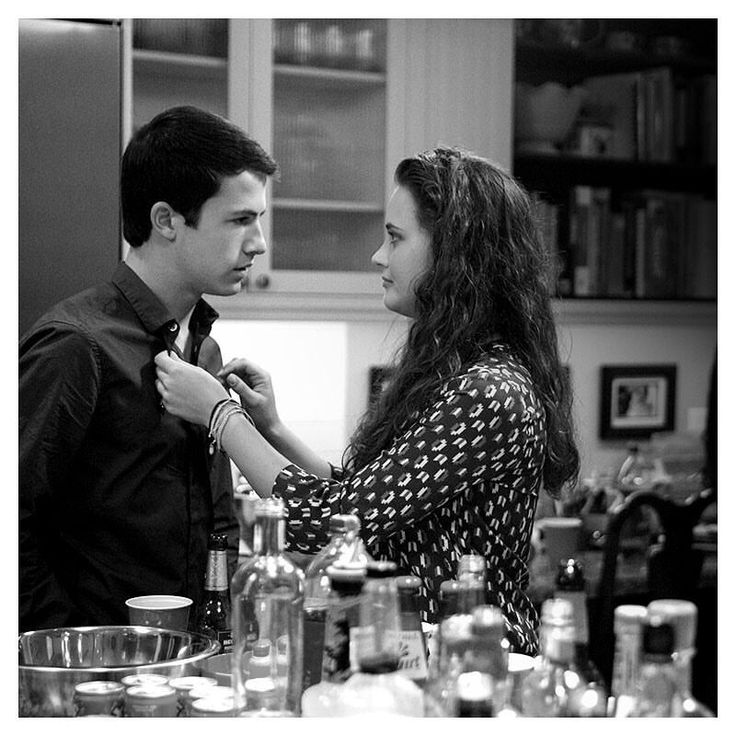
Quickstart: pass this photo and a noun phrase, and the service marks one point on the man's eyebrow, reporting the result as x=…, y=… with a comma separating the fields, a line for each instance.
x=243, y=213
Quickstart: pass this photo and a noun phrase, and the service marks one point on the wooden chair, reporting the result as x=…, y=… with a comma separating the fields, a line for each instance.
x=674, y=561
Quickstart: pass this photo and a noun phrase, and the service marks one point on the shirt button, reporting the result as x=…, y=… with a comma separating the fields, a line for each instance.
x=173, y=327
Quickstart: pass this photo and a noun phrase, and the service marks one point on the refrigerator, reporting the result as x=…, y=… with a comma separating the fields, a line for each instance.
x=70, y=86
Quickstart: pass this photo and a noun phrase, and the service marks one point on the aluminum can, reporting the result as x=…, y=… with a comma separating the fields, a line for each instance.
x=99, y=698
x=183, y=685
x=143, y=678
x=214, y=706
x=150, y=701
x=204, y=691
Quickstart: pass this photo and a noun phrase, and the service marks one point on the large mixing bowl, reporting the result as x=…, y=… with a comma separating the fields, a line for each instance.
x=53, y=661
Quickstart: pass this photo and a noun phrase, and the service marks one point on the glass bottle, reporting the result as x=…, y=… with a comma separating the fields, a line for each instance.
x=656, y=692
x=683, y=617
x=413, y=649
x=213, y=613
x=570, y=586
x=449, y=599
x=471, y=574
x=628, y=621
x=377, y=688
x=555, y=680
x=343, y=608
x=267, y=593
x=344, y=544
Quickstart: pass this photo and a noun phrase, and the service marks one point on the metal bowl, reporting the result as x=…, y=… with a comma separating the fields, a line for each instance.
x=53, y=661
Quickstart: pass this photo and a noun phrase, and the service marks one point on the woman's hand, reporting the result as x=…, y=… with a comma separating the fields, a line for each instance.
x=187, y=391
x=253, y=385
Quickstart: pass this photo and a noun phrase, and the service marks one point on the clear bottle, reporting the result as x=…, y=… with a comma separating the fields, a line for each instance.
x=471, y=574
x=548, y=689
x=267, y=593
x=656, y=692
x=343, y=610
x=628, y=621
x=570, y=586
x=377, y=688
x=214, y=612
x=344, y=544
x=683, y=617
x=413, y=648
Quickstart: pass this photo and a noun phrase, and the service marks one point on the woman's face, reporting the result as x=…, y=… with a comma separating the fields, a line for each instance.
x=405, y=254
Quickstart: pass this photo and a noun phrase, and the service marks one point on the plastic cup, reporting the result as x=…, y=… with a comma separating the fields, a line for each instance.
x=561, y=538
x=164, y=611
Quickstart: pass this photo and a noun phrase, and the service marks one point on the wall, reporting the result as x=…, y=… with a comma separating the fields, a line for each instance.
x=321, y=369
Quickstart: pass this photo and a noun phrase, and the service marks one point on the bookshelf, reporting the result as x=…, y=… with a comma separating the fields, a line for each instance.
x=626, y=203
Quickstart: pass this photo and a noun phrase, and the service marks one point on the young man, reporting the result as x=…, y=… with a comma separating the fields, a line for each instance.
x=117, y=497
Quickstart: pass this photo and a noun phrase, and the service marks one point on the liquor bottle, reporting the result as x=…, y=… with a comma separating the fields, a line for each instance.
x=471, y=574
x=683, y=617
x=213, y=614
x=344, y=544
x=555, y=680
x=656, y=692
x=267, y=593
x=449, y=598
x=342, y=618
x=570, y=586
x=377, y=688
x=489, y=653
x=628, y=621
x=412, y=647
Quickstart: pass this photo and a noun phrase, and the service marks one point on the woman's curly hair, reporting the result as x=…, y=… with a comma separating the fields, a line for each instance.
x=489, y=281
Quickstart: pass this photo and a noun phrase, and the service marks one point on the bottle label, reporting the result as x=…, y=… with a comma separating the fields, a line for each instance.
x=579, y=613
x=412, y=655
x=225, y=637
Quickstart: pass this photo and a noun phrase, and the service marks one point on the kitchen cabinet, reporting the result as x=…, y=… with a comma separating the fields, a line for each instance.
x=338, y=102
x=627, y=200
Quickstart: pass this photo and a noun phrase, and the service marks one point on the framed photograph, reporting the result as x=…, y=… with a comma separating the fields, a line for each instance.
x=637, y=400
x=378, y=377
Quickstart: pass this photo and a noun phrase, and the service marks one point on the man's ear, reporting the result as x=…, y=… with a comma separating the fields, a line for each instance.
x=164, y=220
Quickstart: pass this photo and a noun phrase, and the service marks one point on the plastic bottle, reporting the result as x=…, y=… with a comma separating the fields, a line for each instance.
x=628, y=621
x=656, y=692
x=413, y=648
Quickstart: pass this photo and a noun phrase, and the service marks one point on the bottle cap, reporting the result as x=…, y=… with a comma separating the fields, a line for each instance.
x=570, y=575
x=380, y=569
x=409, y=583
x=557, y=611
x=261, y=648
x=628, y=615
x=471, y=564
x=681, y=615
x=487, y=619
x=217, y=541
x=658, y=638
x=344, y=523
x=456, y=627
x=346, y=570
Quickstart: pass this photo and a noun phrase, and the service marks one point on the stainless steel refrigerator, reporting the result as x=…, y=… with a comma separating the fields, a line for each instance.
x=70, y=139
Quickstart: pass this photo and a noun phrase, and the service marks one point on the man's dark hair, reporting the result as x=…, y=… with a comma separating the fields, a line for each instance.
x=181, y=157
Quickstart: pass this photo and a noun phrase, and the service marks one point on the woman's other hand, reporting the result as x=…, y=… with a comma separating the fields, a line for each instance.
x=253, y=385
x=187, y=391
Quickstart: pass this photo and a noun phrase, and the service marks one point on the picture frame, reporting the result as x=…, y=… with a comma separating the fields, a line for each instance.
x=637, y=400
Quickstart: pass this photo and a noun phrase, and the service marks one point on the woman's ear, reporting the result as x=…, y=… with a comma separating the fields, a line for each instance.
x=163, y=220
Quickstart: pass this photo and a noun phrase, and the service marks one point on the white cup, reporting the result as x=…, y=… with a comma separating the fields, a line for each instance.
x=164, y=611
x=561, y=538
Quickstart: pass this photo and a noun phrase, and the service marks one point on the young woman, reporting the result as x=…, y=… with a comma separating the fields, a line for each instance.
x=476, y=419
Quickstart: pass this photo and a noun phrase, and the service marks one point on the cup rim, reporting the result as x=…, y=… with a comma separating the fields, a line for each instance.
x=158, y=602
x=560, y=521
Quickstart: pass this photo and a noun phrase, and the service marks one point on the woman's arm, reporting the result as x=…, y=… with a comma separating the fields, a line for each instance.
x=191, y=393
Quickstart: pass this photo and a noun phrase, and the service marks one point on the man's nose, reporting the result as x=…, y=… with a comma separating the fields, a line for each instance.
x=256, y=245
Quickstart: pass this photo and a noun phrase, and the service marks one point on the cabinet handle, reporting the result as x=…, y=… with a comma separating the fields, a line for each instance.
x=263, y=281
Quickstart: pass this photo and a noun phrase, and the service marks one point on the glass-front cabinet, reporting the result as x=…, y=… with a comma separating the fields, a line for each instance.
x=338, y=102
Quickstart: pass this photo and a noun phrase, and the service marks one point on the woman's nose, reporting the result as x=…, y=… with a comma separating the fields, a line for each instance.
x=379, y=257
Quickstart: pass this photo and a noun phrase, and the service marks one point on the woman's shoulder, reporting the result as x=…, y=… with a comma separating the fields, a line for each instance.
x=497, y=368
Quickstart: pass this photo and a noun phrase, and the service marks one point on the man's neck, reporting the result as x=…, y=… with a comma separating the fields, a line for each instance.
x=158, y=276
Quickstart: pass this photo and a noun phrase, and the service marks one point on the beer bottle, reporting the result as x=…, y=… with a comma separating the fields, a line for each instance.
x=213, y=614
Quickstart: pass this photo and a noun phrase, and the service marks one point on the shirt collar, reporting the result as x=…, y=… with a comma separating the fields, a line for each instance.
x=156, y=318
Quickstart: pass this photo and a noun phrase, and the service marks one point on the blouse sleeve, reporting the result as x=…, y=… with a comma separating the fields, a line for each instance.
x=467, y=434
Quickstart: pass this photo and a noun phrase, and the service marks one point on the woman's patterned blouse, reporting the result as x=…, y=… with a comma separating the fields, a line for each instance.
x=462, y=479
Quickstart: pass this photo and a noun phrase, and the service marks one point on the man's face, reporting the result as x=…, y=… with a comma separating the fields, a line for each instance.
x=214, y=257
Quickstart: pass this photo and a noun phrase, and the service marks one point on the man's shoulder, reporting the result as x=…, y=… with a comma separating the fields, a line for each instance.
x=81, y=308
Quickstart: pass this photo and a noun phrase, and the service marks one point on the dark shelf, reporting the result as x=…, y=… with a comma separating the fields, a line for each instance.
x=555, y=174
x=537, y=62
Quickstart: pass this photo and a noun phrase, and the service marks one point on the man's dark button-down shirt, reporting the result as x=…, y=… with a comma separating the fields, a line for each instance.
x=117, y=497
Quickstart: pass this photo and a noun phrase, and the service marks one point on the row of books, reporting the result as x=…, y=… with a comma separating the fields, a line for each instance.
x=656, y=114
x=645, y=244
x=199, y=36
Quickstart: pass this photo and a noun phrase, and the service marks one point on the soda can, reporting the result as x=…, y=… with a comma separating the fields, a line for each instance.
x=143, y=678
x=214, y=706
x=150, y=701
x=204, y=691
x=99, y=698
x=183, y=685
